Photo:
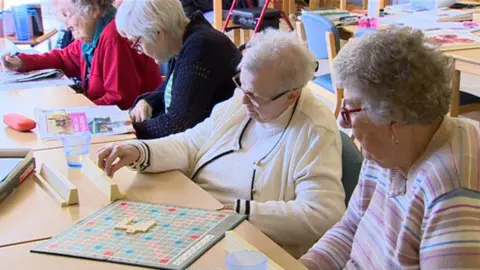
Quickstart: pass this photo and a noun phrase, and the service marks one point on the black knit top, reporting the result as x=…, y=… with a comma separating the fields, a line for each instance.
x=202, y=77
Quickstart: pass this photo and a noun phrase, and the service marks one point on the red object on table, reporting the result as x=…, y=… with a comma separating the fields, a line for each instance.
x=19, y=122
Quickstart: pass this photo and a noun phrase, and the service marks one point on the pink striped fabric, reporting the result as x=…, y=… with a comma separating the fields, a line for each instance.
x=430, y=220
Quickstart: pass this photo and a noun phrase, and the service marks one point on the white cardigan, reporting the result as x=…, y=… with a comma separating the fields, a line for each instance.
x=298, y=192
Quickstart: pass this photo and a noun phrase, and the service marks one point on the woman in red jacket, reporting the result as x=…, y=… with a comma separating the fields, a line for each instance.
x=112, y=73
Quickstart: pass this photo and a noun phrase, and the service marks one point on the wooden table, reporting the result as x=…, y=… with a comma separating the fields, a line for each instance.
x=36, y=40
x=20, y=257
x=30, y=204
x=25, y=102
x=29, y=214
x=465, y=61
x=36, y=92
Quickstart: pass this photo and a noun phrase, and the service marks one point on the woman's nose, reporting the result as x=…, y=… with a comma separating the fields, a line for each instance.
x=342, y=123
x=245, y=100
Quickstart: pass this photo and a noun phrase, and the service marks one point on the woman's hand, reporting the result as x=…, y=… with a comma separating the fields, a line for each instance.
x=11, y=63
x=141, y=112
x=112, y=157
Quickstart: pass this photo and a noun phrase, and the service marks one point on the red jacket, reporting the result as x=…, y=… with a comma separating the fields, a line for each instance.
x=118, y=74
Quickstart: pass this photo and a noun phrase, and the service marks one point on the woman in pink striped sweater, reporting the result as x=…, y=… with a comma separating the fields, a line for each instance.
x=417, y=204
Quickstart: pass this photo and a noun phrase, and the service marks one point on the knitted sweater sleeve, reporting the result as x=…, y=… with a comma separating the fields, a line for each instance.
x=332, y=251
x=451, y=239
x=155, y=98
x=197, y=73
x=178, y=151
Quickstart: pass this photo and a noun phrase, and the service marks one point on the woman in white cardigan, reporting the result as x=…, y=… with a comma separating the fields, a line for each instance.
x=272, y=151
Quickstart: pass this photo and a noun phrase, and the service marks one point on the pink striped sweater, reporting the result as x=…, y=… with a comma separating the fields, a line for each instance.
x=431, y=220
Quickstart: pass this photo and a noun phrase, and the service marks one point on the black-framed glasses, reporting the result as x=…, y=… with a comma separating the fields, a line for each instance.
x=256, y=100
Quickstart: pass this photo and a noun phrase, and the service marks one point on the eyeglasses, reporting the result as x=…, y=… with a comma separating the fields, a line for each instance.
x=347, y=119
x=136, y=46
x=256, y=100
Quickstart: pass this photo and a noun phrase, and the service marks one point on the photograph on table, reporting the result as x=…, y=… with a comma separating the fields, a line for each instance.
x=96, y=120
x=450, y=40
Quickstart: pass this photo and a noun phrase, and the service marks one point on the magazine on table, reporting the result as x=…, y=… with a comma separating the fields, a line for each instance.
x=97, y=120
x=451, y=40
x=20, y=77
x=446, y=15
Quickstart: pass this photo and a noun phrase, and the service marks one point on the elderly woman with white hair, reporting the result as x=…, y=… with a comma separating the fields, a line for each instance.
x=202, y=64
x=111, y=72
x=272, y=151
x=417, y=201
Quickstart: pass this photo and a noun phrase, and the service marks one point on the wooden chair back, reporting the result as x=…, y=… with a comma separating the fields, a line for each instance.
x=332, y=53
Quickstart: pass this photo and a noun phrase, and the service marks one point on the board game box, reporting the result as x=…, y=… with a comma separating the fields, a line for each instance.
x=144, y=234
x=14, y=169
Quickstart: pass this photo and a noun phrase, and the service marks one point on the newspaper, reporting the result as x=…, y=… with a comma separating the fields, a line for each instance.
x=97, y=120
x=19, y=77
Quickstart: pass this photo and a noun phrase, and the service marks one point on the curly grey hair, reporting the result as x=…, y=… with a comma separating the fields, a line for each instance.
x=281, y=51
x=396, y=76
x=85, y=7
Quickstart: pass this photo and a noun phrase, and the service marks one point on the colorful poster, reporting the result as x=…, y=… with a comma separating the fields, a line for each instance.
x=98, y=120
x=450, y=40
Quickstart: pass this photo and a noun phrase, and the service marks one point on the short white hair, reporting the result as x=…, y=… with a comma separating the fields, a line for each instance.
x=144, y=18
x=282, y=52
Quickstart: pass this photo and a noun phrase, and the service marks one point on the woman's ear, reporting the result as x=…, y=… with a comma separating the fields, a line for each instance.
x=293, y=96
x=160, y=38
x=394, y=128
x=96, y=12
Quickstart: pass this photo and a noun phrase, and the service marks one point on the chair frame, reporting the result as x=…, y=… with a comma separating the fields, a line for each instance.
x=240, y=36
x=275, y=3
x=337, y=97
x=456, y=109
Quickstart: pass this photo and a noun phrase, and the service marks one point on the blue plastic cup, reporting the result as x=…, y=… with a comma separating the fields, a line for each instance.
x=8, y=24
x=2, y=34
x=22, y=21
x=246, y=260
x=76, y=147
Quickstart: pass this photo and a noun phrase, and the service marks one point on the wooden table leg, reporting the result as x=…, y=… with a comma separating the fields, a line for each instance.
x=314, y=4
x=292, y=7
x=236, y=37
x=454, y=109
x=217, y=15
x=245, y=35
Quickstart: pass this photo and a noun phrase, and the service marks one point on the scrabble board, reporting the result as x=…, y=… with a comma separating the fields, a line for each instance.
x=178, y=237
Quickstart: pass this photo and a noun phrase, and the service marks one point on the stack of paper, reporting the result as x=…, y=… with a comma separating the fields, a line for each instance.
x=448, y=15
x=330, y=14
x=404, y=8
x=17, y=77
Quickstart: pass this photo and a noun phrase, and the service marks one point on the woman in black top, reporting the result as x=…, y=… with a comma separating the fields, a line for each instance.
x=202, y=64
